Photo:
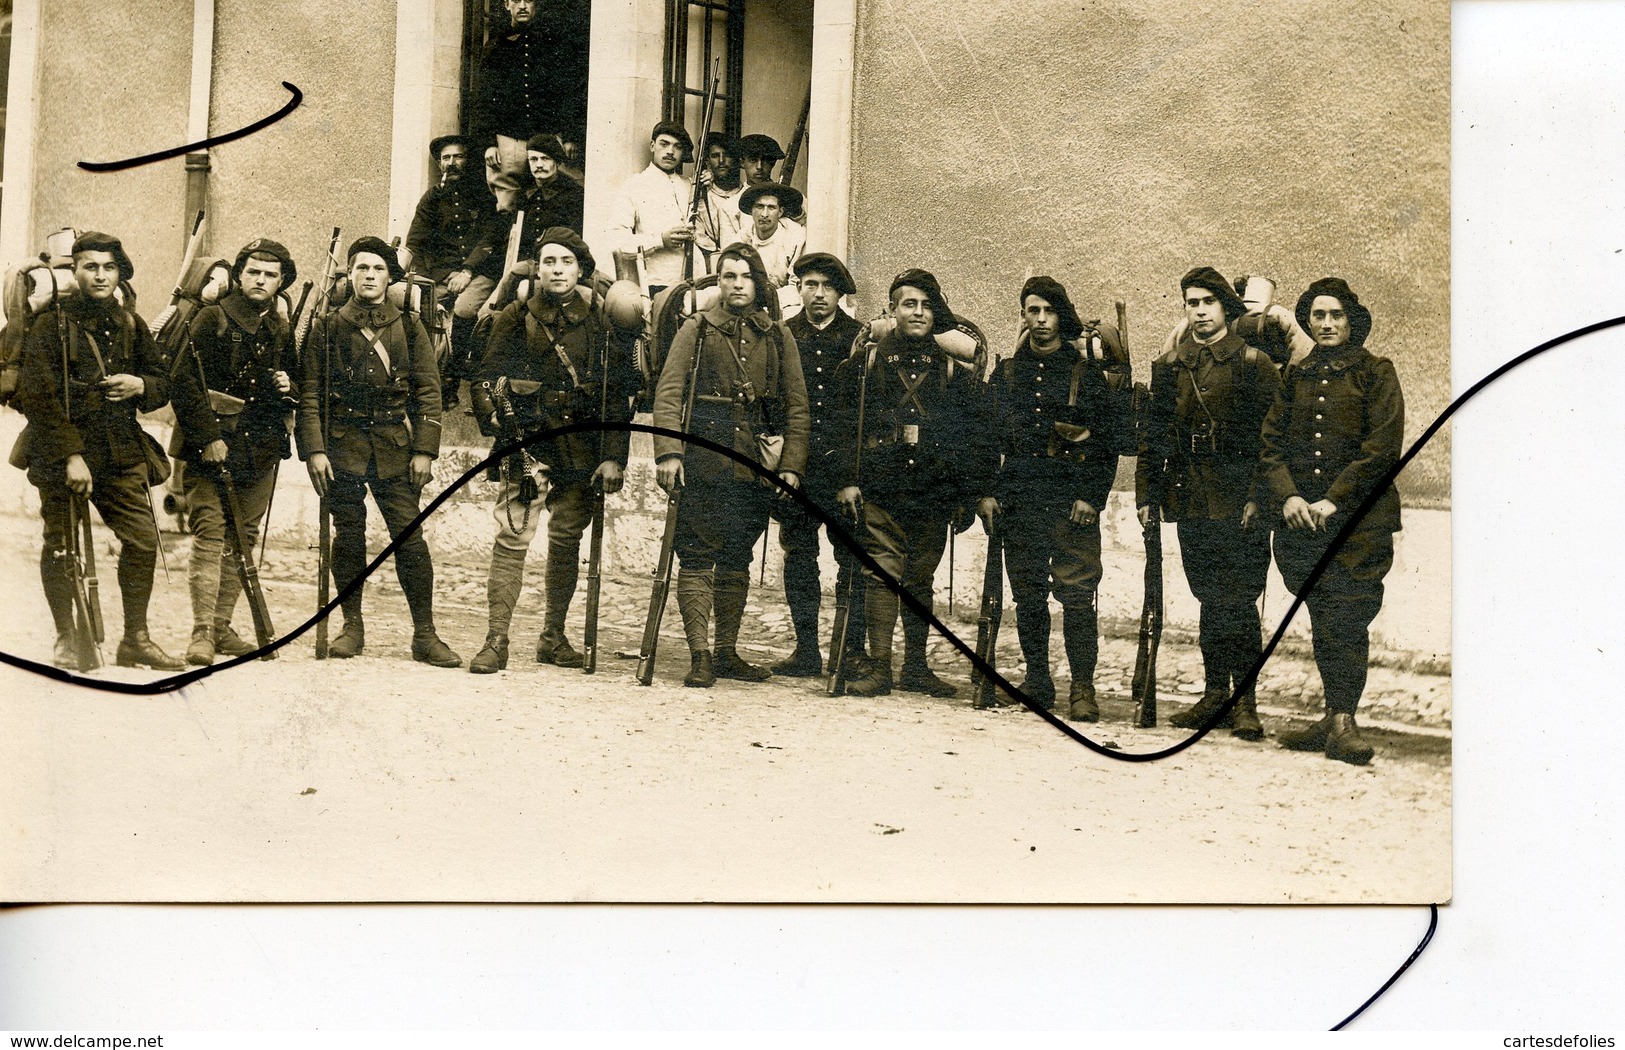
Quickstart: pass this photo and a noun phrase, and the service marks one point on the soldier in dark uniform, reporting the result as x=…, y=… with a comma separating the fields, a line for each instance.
x=1335, y=430
x=824, y=334
x=86, y=440
x=531, y=79
x=749, y=383
x=927, y=452
x=451, y=243
x=382, y=433
x=247, y=356
x=546, y=363
x=1053, y=422
x=1200, y=468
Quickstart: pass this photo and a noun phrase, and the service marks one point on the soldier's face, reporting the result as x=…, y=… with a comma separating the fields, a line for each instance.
x=1328, y=322
x=1042, y=320
x=1204, y=312
x=97, y=274
x=521, y=12
x=261, y=279
x=542, y=166
x=818, y=296
x=737, y=286
x=557, y=269
x=724, y=166
x=667, y=152
x=757, y=169
x=453, y=161
x=369, y=276
x=766, y=213
x=912, y=308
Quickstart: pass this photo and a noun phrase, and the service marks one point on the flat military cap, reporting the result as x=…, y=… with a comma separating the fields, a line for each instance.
x=760, y=146
x=831, y=267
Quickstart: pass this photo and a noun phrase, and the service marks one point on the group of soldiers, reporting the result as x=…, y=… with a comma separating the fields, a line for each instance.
x=1258, y=423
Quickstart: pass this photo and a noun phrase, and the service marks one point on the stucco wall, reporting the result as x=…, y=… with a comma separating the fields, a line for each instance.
x=1117, y=144
x=325, y=164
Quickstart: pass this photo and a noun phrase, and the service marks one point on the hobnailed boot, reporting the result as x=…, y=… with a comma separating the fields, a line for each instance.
x=559, y=584
x=227, y=642
x=873, y=677
x=917, y=677
x=351, y=640
x=427, y=648
x=64, y=655
x=1080, y=703
x=701, y=674
x=137, y=649
x=200, y=653
x=1344, y=742
x=493, y=657
x=1244, y=721
x=1312, y=738
x=1039, y=687
x=1201, y=713
x=1080, y=632
x=732, y=587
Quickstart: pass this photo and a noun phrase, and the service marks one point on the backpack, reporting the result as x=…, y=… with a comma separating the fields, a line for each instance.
x=670, y=308
x=1114, y=367
x=30, y=290
x=206, y=281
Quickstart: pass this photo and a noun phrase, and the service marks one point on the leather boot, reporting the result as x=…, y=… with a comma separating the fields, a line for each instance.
x=493, y=657
x=200, y=653
x=351, y=640
x=1344, y=742
x=559, y=585
x=1039, y=687
x=137, y=649
x=1201, y=713
x=427, y=648
x=64, y=655
x=553, y=648
x=701, y=674
x=227, y=642
x=917, y=676
x=1311, y=738
x=873, y=678
x=1080, y=704
x=1033, y=629
x=1244, y=721
x=806, y=661
x=732, y=588
x=880, y=620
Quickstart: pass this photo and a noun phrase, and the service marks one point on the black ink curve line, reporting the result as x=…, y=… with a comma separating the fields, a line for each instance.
x=191, y=147
x=1427, y=937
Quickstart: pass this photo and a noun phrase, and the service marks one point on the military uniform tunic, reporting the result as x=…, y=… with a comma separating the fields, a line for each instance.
x=454, y=228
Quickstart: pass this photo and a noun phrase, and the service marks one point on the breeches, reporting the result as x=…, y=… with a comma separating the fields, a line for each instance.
x=1342, y=603
x=569, y=511
x=719, y=521
x=1045, y=552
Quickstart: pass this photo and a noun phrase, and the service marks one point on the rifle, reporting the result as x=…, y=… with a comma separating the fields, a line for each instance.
x=668, y=544
x=324, y=512
x=78, y=551
x=854, y=583
x=699, y=191
x=797, y=139
x=595, y=550
x=984, y=691
x=1143, y=685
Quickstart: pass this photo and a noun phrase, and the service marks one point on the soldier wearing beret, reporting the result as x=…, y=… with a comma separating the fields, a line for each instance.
x=547, y=363
x=1200, y=468
x=243, y=349
x=450, y=241
x=81, y=402
x=824, y=334
x=748, y=384
x=926, y=453
x=1337, y=427
x=1049, y=404
x=369, y=419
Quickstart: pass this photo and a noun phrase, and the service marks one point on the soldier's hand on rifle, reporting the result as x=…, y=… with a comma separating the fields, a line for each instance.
x=609, y=477
x=677, y=236
x=1249, y=514
x=669, y=474
x=851, y=501
x=1083, y=514
x=321, y=473
x=422, y=469
x=78, y=475
x=280, y=380
x=703, y=178
x=122, y=387
x=988, y=509
x=214, y=451
x=458, y=281
x=1149, y=516
x=1320, y=510
x=1296, y=513
x=791, y=478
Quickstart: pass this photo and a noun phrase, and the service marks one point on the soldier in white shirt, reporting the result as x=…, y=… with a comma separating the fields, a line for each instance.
x=778, y=240
x=651, y=213
x=721, y=221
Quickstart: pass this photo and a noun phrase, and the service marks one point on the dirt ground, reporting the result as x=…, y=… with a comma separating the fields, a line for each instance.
x=381, y=779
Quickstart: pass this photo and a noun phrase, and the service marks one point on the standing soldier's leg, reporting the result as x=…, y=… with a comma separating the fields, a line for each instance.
x=345, y=494
x=516, y=526
x=885, y=542
x=397, y=500
x=746, y=514
x=206, y=521
x=569, y=508
x=798, y=538
x=1202, y=552
x=1027, y=565
x=254, y=496
x=1075, y=566
x=121, y=499
x=698, y=542
x=53, y=563
x=849, y=571
x=1249, y=568
x=927, y=540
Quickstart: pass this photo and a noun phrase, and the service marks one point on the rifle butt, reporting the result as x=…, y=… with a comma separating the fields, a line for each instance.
x=651, y=631
x=837, y=655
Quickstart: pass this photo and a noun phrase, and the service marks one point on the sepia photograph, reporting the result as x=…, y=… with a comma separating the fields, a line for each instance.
x=726, y=451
